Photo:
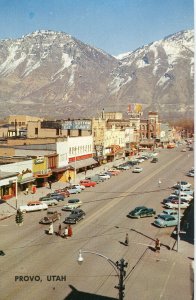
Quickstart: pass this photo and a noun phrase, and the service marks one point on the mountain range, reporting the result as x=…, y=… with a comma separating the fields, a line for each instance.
x=54, y=75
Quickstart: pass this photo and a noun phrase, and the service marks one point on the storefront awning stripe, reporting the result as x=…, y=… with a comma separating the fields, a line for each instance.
x=83, y=163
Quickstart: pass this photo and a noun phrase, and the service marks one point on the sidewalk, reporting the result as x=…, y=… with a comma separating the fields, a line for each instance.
x=8, y=208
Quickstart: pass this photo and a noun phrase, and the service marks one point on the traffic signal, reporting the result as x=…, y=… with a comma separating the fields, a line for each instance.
x=19, y=217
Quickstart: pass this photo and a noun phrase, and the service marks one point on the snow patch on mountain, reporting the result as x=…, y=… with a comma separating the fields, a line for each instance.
x=11, y=63
x=117, y=83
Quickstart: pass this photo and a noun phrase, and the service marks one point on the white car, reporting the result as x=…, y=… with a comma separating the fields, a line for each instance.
x=72, y=204
x=79, y=186
x=182, y=184
x=49, y=201
x=183, y=196
x=137, y=170
x=169, y=212
x=33, y=206
x=176, y=205
x=104, y=176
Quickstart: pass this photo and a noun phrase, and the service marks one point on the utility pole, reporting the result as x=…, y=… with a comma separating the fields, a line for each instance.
x=121, y=265
x=178, y=230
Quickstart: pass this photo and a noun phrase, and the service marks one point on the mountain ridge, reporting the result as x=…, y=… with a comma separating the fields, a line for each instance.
x=52, y=74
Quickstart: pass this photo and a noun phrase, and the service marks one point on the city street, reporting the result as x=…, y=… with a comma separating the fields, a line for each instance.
x=35, y=263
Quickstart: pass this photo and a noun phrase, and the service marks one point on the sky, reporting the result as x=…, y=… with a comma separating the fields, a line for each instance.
x=115, y=26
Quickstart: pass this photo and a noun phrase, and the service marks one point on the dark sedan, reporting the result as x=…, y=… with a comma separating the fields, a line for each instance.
x=75, y=216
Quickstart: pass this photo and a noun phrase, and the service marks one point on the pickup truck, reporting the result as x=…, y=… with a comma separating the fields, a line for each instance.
x=33, y=206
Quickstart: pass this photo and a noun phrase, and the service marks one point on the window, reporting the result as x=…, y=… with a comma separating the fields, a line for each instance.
x=36, y=130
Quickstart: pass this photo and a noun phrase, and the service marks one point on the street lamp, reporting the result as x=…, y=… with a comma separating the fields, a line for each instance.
x=118, y=266
x=178, y=230
x=75, y=165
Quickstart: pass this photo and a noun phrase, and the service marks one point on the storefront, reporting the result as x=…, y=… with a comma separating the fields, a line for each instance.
x=8, y=183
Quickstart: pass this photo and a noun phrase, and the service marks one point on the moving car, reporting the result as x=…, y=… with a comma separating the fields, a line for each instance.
x=50, y=219
x=183, y=205
x=137, y=170
x=166, y=221
x=72, y=204
x=75, y=216
x=88, y=183
x=33, y=206
x=141, y=212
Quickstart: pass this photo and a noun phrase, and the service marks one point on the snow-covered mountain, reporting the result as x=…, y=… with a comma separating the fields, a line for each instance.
x=52, y=74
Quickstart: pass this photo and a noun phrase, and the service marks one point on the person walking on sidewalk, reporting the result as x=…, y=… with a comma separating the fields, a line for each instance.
x=126, y=239
x=157, y=245
x=70, y=232
x=65, y=233
x=59, y=231
x=51, y=229
x=50, y=184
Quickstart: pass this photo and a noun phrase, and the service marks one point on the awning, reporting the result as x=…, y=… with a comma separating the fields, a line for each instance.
x=26, y=180
x=83, y=163
x=62, y=169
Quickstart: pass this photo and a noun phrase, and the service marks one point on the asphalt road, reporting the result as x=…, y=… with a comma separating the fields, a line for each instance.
x=31, y=252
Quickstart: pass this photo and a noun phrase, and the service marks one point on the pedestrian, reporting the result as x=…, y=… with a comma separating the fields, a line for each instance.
x=70, y=232
x=27, y=191
x=59, y=231
x=51, y=229
x=50, y=184
x=66, y=232
x=157, y=245
x=126, y=240
x=69, y=179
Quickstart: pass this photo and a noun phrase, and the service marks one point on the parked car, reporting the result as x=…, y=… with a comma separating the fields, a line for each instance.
x=72, y=204
x=191, y=174
x=33, y=206
x=123, y=167
x=49, y=201
x=141, y=211
x=75, y=216
x=170, y=198
x=166, y=221
x=104, y=175
x=168, y=212
x=182, y=184
x=185, y=191
x=95, y=178
x=183, y=205
x=50, y=219
x=79, y=186
x=74, y=190
x=139, y=159
x=137, y=170
x=114, y=172
x=184, y=196
x=63, y=192
x=57, y=196
x=88, y=183
x=154, y=160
